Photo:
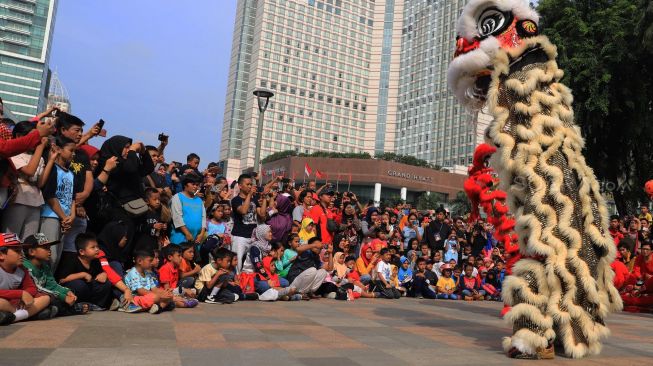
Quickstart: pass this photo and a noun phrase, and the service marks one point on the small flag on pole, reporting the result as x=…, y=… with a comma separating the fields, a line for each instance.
x=307, y=170
x=319, y=174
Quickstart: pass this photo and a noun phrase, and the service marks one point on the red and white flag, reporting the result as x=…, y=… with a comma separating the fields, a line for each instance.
x=319, y=174
x=307, y=170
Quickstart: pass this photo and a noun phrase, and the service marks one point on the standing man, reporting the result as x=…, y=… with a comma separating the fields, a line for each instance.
x=246, y=212
x=437, y=231
x=320, y=214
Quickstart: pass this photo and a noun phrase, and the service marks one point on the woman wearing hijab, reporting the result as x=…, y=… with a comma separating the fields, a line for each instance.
x=307, y=231
x=371, y=222
x=405, y=275
x=125, y=181
x=260, y=248
x=113, y=241
x=366, y=262
x=340, y=269
x=281, y=222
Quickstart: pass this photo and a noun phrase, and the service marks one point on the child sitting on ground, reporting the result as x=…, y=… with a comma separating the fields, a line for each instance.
x=384, y=276
x=214, y=280
x=154, y=227
x=405, y=276
x=446, y=286
x=289, y=255
x=19, y=298
x=84, y=275
x=37, y=262
x=470, y=286
x=492, y=286
x=422, y=286
x=188, y=268
x=353, y=277
x=142, y=281
x=184, y=297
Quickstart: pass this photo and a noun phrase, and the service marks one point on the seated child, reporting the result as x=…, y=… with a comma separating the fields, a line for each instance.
x=37, y=262
x=189, y=269
x=421, y=284
x=184, y=297
x=268, y=278
x=470, y=286
x=492, y=285
x=451, y=248
x=83, y=274
x=289, y=255
x=215, y=284
x=353, y=277
x=430, y=275
x=19, y=298
x=405, y=276
x=425, y=252
x=142, y=281
x=383, y=281
x=273, y=281
x=446, y=286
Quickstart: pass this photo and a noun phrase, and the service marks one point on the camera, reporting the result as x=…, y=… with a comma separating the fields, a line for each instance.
x=163, y=137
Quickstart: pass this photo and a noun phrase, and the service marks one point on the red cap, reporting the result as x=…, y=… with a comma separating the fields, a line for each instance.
x=10, y=240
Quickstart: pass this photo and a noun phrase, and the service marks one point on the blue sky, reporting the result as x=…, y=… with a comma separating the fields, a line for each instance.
x=148, y=66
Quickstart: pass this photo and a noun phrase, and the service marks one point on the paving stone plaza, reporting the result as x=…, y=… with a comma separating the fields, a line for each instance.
x=320, y=332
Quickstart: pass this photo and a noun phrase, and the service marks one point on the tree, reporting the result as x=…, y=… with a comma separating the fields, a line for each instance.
x=430, y=201
x=460, y=205
x=605, y=48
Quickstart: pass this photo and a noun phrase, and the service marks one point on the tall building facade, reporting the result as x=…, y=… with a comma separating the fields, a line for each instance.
x=432, y=125
x=26, y=28
x=333, y=66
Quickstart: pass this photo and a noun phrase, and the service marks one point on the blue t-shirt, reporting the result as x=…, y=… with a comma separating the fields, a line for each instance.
x=192, y=211
x=134, y=280
x=214, y=228
x=60, y=186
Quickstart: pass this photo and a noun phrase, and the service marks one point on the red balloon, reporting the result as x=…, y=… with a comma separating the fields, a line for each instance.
x=648, y=188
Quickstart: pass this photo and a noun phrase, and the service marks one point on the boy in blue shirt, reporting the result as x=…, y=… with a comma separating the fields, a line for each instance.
x=58, y=213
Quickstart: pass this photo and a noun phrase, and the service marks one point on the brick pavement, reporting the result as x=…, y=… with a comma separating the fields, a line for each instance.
x=322, y=332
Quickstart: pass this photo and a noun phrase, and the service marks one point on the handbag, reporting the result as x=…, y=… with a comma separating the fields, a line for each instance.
x=135, y=208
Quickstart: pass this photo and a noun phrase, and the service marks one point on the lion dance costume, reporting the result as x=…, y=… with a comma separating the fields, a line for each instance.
x=561, y=290
x=481, y=189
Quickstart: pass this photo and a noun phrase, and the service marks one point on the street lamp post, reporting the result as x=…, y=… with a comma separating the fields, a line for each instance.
x=263, y=97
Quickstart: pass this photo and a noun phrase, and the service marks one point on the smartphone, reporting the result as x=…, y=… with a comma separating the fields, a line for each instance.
x=163, y=137
x=100, y=123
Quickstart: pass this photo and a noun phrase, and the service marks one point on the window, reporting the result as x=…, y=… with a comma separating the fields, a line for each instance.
x=335, y=138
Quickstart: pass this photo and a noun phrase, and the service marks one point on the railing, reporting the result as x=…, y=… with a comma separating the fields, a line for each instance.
x=15, y=39
x=20, y=7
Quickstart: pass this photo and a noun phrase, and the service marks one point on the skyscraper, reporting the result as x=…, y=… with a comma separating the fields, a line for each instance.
x=26, y=28
x=432, y=125
x=333, y=66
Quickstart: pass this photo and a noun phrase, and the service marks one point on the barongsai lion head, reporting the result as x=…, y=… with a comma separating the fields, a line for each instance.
x=484, y=27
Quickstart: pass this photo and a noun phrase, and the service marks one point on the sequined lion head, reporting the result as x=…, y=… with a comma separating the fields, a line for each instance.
x=484, y=27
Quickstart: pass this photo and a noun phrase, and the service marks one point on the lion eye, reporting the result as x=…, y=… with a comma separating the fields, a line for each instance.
x=491, y=22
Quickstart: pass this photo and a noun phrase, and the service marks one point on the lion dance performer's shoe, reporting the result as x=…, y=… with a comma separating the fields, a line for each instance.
x=561, y=290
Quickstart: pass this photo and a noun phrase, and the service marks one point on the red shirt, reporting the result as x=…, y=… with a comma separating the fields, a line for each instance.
x=643, y=267
x=168, y=274
x=319, y=215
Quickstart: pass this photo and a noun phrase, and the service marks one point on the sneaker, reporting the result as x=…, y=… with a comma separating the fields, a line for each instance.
x=350, y=295
x=6, y=318
x=249, y=297
x=47, y=313
x=210, y=300
x=154, y=309
x=284, y=298
x=93, y=307
x=540, y=354
x=296, y=297
x=115, y=305
x=331, y=295
x=130, y=308
x=190, y=303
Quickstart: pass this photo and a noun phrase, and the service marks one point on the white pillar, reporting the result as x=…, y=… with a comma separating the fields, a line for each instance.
x=428, y=193
x=377, y=194
x=404, y=193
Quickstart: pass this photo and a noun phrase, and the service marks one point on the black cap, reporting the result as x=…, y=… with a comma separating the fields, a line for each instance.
x=39, y=240
x=328, y=192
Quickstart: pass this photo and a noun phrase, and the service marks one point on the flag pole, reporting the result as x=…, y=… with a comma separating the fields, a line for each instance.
x=349, y=184
x=337, y=182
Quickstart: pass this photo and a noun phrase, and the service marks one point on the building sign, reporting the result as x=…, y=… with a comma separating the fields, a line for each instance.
x=409, y=176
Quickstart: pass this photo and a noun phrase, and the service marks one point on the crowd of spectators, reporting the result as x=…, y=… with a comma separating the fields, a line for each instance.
x=120, y=228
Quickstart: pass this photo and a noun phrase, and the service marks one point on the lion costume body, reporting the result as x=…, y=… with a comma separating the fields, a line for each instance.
x=562, y=290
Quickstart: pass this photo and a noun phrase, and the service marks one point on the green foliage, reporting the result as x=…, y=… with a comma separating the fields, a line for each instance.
x=460, y=205
x=605, y=48
x=404, y=159
x=430, y=202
